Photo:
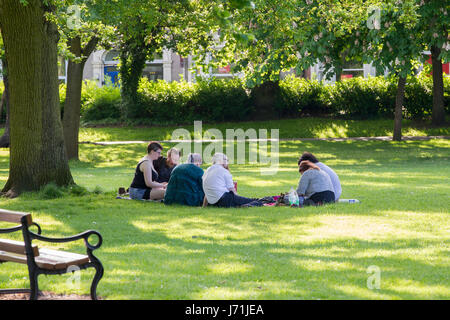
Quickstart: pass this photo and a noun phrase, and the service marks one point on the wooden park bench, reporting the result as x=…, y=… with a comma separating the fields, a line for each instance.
x=42, y=260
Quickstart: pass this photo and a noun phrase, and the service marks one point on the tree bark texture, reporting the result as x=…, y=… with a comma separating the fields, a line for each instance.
x=438, y=113
x=400, y=97
x=37, y=152
x=72, y=105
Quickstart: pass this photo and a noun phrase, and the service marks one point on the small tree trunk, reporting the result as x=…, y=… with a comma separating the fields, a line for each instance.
x=265, y=98
x=37, y=152
x=398, y=109
x=338, y=71
x=72, y=105
x=438, y=114
x=132, y=64
x=72, y=108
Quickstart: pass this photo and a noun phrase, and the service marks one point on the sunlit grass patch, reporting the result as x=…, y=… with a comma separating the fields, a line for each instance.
x=153, y=251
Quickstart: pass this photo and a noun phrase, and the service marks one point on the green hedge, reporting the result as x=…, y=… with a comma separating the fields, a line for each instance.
x=229, y=100
x=97, y=103
x=163, y=102
x=303, y=97
x=221, y=100
x=361, y=98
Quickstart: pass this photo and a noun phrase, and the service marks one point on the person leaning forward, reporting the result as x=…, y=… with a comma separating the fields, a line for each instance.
x=144, y=184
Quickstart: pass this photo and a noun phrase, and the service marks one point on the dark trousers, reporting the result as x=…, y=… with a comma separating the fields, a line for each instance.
x=230, y=199
x=319, y=198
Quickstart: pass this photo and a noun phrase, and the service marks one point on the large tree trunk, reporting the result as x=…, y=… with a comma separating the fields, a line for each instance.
x=438, y=114
x=398, y=109
x=4, y=139
x=72, y=106
x=37, y=152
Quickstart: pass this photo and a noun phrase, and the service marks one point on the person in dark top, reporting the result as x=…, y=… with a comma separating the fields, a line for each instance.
x=185, y=184
x=144, y=184
x=164, y=166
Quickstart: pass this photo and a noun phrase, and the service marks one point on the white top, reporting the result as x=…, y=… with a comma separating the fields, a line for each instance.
x=334, y=179
x=216, y=182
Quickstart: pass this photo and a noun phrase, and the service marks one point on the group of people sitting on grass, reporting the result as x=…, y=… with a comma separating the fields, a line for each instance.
x=163, y=178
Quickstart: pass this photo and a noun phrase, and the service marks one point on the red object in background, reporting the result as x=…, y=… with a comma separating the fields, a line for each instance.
x=225, y=69
x=235, y=185
x=346, y=76
x=445, y=67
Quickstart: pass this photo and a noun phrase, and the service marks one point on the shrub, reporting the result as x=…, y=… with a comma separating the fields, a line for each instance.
x=301, y=96
x=418, y=97
x=51, y=191
x=217, y=100
x=101, y=103
x=98, y=190
x=361, y=98
x=78, y=190
x=164, y=102
x=447, y=94
x=62, y=97
x=181, y=102
x=221, y=100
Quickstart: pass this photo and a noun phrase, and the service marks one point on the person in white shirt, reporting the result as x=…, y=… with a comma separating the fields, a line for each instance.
x=218, y=185
x=307, y=156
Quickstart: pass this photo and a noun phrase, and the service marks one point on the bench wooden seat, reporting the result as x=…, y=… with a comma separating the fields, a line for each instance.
x=14, y=251
x=43, y=260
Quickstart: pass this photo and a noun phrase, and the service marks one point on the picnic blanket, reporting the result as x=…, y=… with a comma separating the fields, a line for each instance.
x=270, y=201
x=122, y=197
x=282, y=200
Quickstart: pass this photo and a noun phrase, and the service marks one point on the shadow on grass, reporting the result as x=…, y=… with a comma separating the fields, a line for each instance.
x=156, y=252
x=152, y=251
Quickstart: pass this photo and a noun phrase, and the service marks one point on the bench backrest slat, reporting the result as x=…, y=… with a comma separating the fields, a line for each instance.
x=14, y=216
x=18, y=247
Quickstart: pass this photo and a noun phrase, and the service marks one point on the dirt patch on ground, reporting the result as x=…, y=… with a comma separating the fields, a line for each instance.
x=44, y=296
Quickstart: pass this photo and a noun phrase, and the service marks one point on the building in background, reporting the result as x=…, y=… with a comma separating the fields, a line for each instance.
x=102, y=66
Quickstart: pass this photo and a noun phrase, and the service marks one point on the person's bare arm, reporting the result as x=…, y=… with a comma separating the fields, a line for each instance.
x=146, y=169
x=205, y=202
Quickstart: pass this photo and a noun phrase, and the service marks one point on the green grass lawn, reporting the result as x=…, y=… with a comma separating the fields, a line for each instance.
x=292, y=128
x=152, y=251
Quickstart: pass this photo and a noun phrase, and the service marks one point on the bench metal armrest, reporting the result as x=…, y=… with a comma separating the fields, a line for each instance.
x=9, y=230
x=84, y=235
x=18, y=228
